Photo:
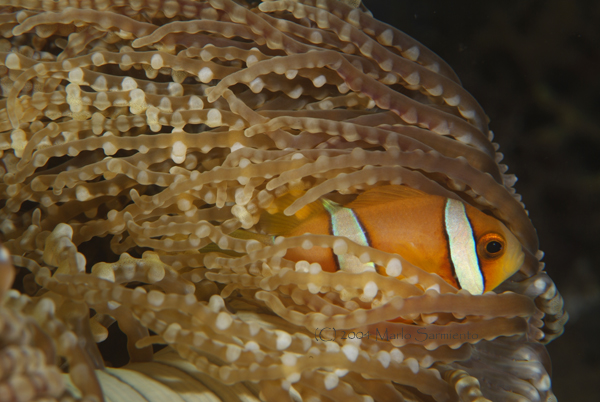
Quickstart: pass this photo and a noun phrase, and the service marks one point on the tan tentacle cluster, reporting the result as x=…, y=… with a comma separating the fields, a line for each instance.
x=136, y=138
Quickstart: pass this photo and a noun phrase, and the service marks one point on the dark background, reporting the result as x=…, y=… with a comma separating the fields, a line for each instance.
x=535, y=68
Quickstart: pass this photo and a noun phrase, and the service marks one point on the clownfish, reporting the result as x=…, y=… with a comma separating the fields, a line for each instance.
x=467, y=248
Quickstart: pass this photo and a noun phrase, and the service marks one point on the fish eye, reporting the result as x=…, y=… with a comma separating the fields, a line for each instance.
x=491, y=245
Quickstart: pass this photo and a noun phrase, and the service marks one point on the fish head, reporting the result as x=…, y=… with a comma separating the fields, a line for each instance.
x=499, y=252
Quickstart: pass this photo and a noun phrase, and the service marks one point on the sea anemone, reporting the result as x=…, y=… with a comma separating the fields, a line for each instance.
x=137, y=138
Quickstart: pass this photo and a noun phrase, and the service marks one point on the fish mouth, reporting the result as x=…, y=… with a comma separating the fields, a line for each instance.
x=520, y=259
x=516, y=258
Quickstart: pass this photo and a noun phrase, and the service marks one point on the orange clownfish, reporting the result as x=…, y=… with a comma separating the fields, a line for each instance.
x=467, y=248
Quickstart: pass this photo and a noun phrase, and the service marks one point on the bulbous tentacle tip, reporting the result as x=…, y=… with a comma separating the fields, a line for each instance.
x=7, y=270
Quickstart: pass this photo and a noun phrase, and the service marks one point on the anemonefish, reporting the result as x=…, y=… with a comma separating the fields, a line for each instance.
x=467, y=248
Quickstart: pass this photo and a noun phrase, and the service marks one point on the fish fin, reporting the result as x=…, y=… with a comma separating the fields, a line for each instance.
x=238, y=234
x=282, y=202
x=247, y=235
x=213, y=248
x=383, y=194
x=280, y=224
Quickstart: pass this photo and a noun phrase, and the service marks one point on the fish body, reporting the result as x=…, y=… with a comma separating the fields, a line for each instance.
x=467, y=248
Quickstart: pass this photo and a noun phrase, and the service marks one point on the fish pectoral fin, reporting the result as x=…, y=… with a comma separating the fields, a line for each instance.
x=280, y=224
x=383, y=194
